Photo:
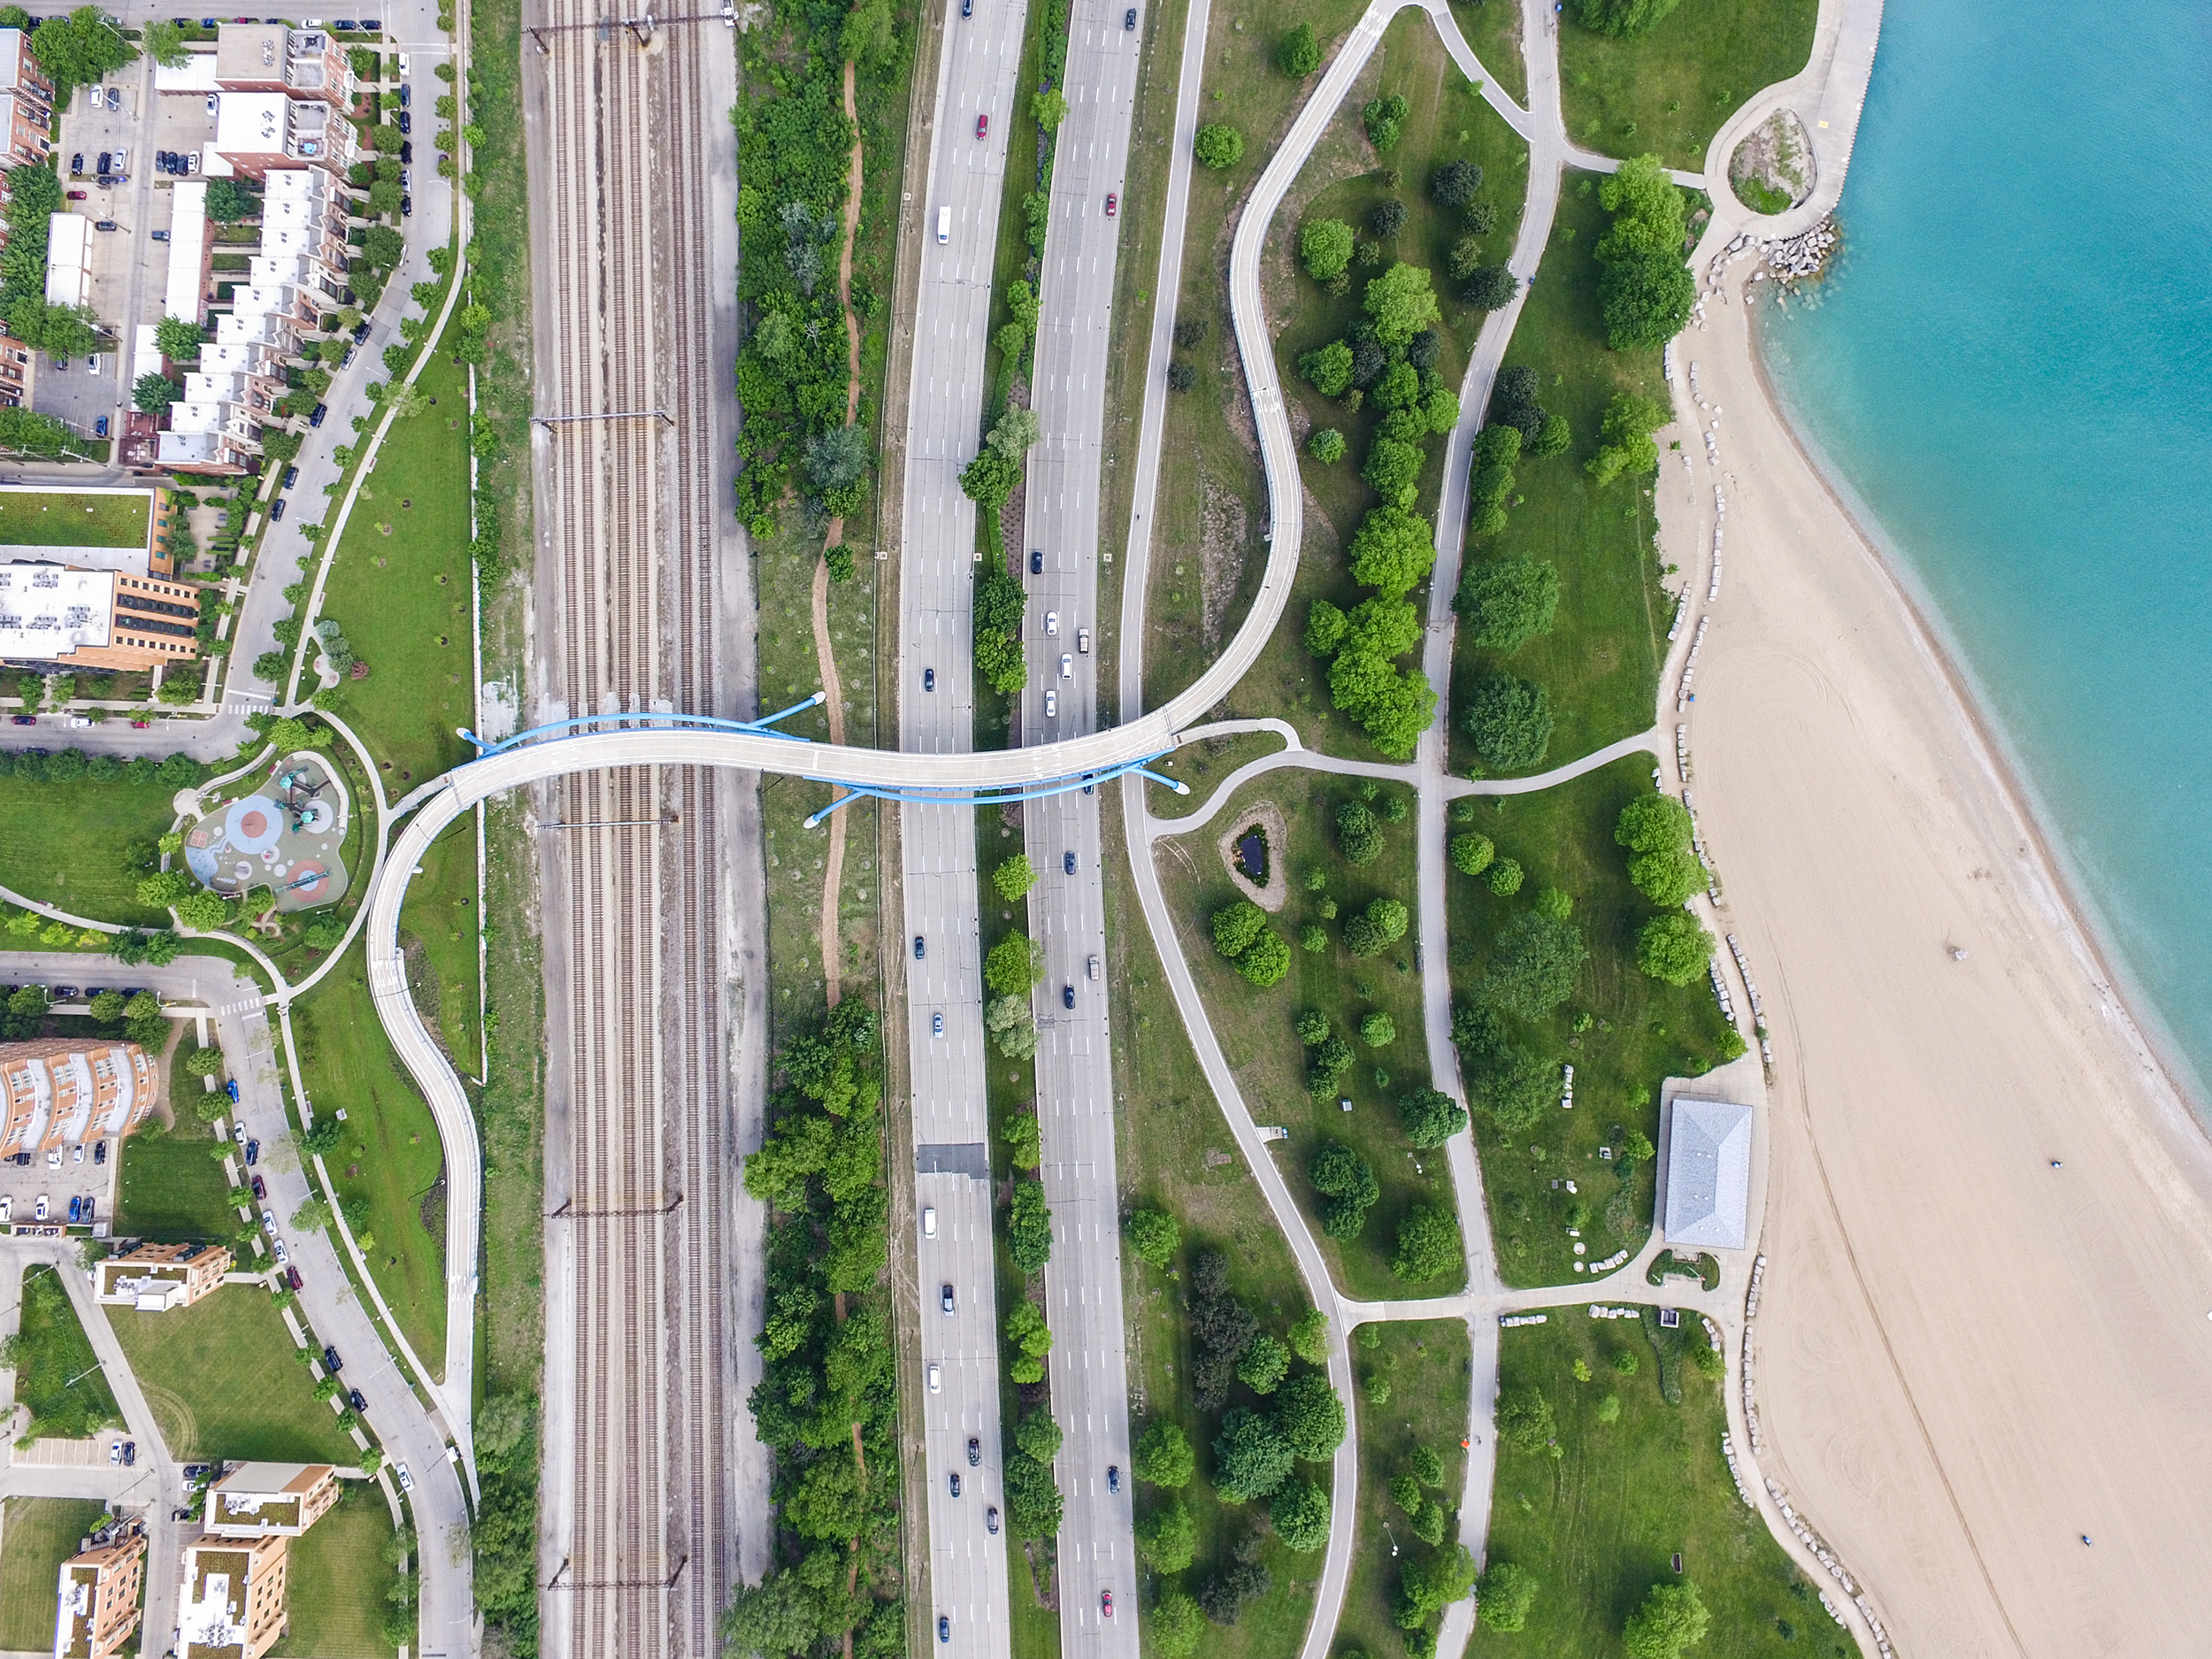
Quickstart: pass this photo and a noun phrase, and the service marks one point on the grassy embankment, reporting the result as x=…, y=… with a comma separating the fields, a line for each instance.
x=57, y=1375
x=1255, y=1026
x=222, y=1381
x=338, y=1574
x=1176, y=1154
x=67, y=844
x=172, y=1185
x=1492, y=28
x=385, y=1170
x=1427, y=1366
x=1601, y=1524
x=1600, y=662
x=1668, y=91
x=36, y=1536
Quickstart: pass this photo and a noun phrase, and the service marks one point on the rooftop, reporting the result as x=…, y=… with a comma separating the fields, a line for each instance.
x=1707, y=1173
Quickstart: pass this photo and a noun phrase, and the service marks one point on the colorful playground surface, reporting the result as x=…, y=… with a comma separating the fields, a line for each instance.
x=284, y=836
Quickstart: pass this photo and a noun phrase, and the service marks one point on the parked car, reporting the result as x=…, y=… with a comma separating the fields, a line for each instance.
x=115, y=1452
x=406, y=96
x=359, y=1400
x=316, y=419
x=76, y=162
x=91, y=1209
x=99, y=1152
x=100, y=426
x=106, y=224
x=231, y=1088
x=407, y=207
x=79, y=196
x=291, y=476
x=268, y=1221
x=292, y=1277
x=406, y=1481
x=76, y=1210
x=260, y=1188
x=23, y=719
x=331, y=1361
x=407, y=152
x=42, y=1209
x=276, y=509
x=361, y=332
x=253, y=1147
x=406, y=122
x=105, y=156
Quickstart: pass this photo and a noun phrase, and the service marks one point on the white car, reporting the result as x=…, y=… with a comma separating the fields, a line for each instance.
x=76, y=1154
x=1083, y=641
x=929, y=1221
x=7, y=1210
x=281, y=1254
x=1067, y=666
x=1052, y=705
x=406, y=1481
x=43, y=1209
x=269, y=1221
x=1052, y=623
x=936, y=1380
x=53, y=1158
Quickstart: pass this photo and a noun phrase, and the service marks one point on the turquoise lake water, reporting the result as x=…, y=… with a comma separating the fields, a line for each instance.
x=2011, y=370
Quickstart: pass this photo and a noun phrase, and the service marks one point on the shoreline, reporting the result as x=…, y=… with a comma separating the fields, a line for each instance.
x=2191, y=1095
x=1989, y=1213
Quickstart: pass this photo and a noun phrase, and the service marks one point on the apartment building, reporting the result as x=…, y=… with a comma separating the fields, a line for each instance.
x=231, y=1601
x=306, y=63
x=61, y=1093
x=26, y=101
x=98, y=1597
x=271, y=1500
x=53, y=615
x=157, y=1277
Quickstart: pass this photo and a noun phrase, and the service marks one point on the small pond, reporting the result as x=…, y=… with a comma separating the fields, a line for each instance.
x=1252, y=856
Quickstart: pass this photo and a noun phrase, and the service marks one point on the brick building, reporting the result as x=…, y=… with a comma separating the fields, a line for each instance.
x=98, y=1597
x=156, y=1278
x=60, y=1092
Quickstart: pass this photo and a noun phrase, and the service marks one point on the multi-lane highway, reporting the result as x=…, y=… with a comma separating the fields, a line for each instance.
x=1074, y=1067
x=979, y=60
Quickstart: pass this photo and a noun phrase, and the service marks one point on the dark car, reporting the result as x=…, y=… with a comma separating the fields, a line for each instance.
x=105, y=157
x=160, y=236
x=76, y=162
x=1129, y=18
x=1067, y=996
x=990, y=1520
x=231, y=1090
x=920, y=946
x=78, y=195
x=406, y=122
x=91, y=1209
x=1088, y=786
x=944, y=1624
x=253, y=1147
x=406, y=95
x=1067, y=862
x=407, y=152
x=130, y=1453
x=76, y=1209
x=100, y=426
x=1036, y=561
x=406, y=207
x=291, y=476
x=331, y=1361
x=944, y=1297
x=975, y=1452
x=260, y=1188
x=64, y=994
x=929, y=679
x=359, y=1400
x=955, y=1483
x=292, y=1277
x=361, y=332
x=99, y=1152
x=316, y=419
x=276, y=509
x=23, y=719
x=967, y=8
x=1113, y=1477
x=106, y=224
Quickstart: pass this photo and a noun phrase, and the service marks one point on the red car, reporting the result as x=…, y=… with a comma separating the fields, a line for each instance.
x=1112, y=202
x=1106, y=1602
x=292, y=1277
x=260, y=1192
x=76, y=195
x=982, y=127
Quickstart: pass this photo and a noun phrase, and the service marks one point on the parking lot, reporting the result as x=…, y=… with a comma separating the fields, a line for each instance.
x=71, y=1176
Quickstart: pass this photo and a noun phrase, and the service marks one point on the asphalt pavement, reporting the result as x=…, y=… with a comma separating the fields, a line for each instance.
x=980, y=59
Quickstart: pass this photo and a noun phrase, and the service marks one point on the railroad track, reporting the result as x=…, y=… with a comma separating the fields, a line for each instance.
x=629, y=545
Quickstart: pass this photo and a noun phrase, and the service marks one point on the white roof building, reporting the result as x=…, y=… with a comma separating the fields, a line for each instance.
x=188, y=250
x=1707, y=1173
x=68, y=259
x=47, y=612
x=196, y=74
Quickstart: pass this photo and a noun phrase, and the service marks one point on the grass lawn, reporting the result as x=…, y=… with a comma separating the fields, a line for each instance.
x=510, y=1327
x=1428, y=1365
x=336, y=1595
x=400, y=589
x=438, y=926
x=1205, y=766
x=172, y=1187
x=1255, y=1026
x=1492, y=28
x=1641, y=1032
x=390, y=1158
x=56, y=1374
x=1176, y=1154
x=1212, y=497
x=66, y=844
x=1667, y=92
x=1600, y=662
x=36, y=1536
x=65, y=518
x=222, y=1381
x=1599, y=1526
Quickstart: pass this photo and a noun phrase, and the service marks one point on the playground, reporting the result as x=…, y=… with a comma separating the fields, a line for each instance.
x=284, y=836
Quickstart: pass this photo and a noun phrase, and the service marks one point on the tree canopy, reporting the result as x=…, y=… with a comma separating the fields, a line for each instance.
x=1400, y=303
x=1490, y=288
x=1645, y=290
x=1456, y=182
x=1299, y=1515
x=1154, y=1236
x=1509, y=722
x=78, y=48
x=1672, y=1617
x=1533, y=963
x=1328, y=368
x=1218, y=146
x=1167, y=1539
x=1615, y=19
x=1429, y=1244
x=1507, y=603
x=1324, y=247
x=1311, y=1416
x=1431, y=1117
x=1251, y=1457
x=1392, y=551
x=1504, y=1596
x=1164, y=1457
x=1299, y=54
x=1524, y=1419
x=1674, y=947
x=1663, y=863
x=1624, y=443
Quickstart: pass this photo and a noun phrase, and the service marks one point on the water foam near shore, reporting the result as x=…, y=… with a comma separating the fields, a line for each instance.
x=2007, y=375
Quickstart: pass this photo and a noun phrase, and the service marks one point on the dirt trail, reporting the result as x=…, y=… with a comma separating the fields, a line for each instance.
x=825, y=662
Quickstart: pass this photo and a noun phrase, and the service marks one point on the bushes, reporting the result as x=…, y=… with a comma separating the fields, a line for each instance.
x=1029, y=1227
x=1429, y=1244
x=1242, y=935
x=1490, y=475
x=1325, y=248
x=1663, y=863
x=1509, y=722
x=1385, y=120
x=1329, y=369
x=1348, y=1181
x=1380, y=925
x=1533, y=965
x=1624, y=443
x=1218, y=146
x=999, y=602
x=1470, y=854
x=1154, y=1236
x=1490, y=288
x=1299, y=53
x=1326, y=445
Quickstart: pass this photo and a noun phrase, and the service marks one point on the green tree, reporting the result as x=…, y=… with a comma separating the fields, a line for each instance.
x=1154, y=1236
x=1301, y=1515
x=1510, y=721
x=1524, y=1420
x=1405, y=1492
x=1325, y=248
x=1374, y=930
x=1508, y=601
x=1671, y=1618
x=1329, y=369
x=1264, y=1365
x=1428, y=1244
x=1378, y=1030
x=1167, y=1539
x=1029, y=1227
x=152, y=393
x=160, y=891
x=870, y=36
x=1674, y=947
x=1504, y=1595
x=78, y=48
x=230, y=200
x=1051, y=108
x=1490, y=288
x=1427, y=1467
x=1251, y=1457
x=1163, y=1457
x=1625, y=442
x=1015, y=965
x=163, y=41
x=1394, y=470
x=1299, y=53
x=1038, y=1437
x=1400, y=303
x=1218, y=146
x=1472, y=854
x=1428, y=1585
x=1662, y=861
x=1429, y=1522
x=312, y=1216
x=1025, y=1141
x=1026, y=1330
x=836, y=457
x=1456, y=182
x=1358, y=834
x=1392, y=551
x=204, y=1061
x=1431, y=1117
x=1177, y=1626
x=1326, y=446
x=1236, y=926
x=1310, y=1337
x=1349, y=1182
x=1385, y=120
x=1310, y=1417
x=1503, y=878
x=203, y=911
x=1615, y=19
x=1014, y=877
x=179, y=340
x=1533, y=963
x=1266, y=960
x=1645, y=291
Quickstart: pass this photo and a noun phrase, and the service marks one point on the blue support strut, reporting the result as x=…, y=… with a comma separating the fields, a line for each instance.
x=988, y=797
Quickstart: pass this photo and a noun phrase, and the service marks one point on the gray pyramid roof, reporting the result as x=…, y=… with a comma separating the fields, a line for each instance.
x=1708, y=1173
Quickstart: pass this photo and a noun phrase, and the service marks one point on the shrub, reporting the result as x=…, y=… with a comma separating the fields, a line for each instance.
x=1490, y=288
x=1428, y=1244
x=1374, y=930
x=1533, y=965
x=1504, y=1594
x=1387, y=219
x=1509, y=722
x=1177, y=1625
x=1325, y=248
x=1326, y=445
x=1299, y=54
x=1508, y=601
x=1504, y=877
x=1674, y=947
x=1553, y=437
x=1472, y=854
x=1181, y=377
x=1615, y=19
x=1378, y=1030
x=1385, y=120
x=1218, y=146
x=1154, y=1235
x=1524, y=1420
x=1014, y=877
x=1189, y=331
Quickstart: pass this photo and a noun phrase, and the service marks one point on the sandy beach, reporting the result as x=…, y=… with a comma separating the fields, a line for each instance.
x=1969, y=1359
